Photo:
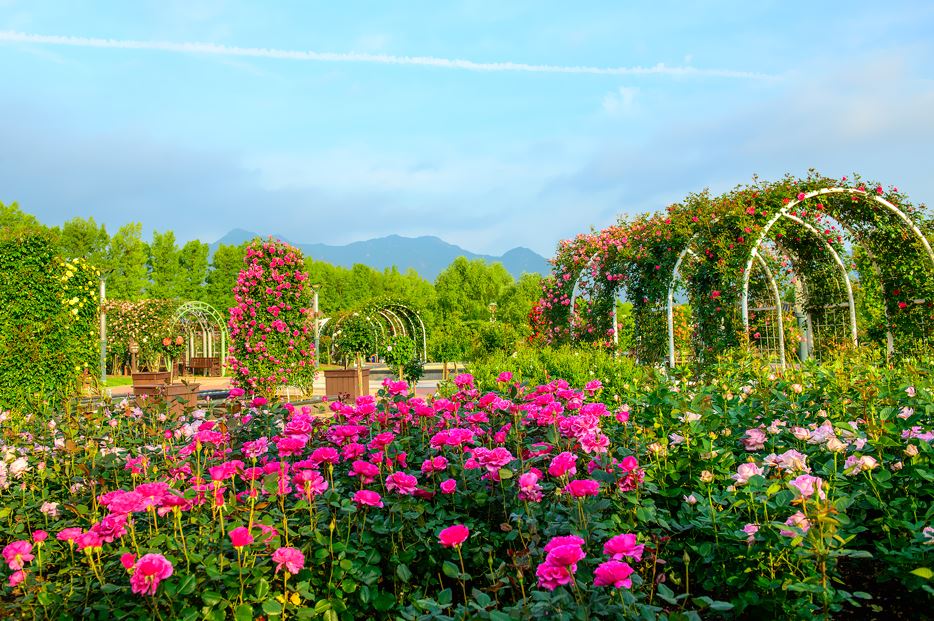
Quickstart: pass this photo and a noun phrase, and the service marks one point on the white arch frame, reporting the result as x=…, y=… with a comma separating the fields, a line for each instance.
x=205, y=315
x=747, y=272
x=744, y=299
x=785, y=212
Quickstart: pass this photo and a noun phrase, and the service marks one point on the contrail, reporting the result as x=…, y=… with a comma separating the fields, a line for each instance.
x=9, y=36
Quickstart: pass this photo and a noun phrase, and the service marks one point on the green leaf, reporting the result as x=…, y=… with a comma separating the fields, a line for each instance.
x=211, y=598
x=272, y=607
x=244, y=612
x=924, y=572
x=505, y=474
x=450, y=569
x=403, y=572
x=262, y=589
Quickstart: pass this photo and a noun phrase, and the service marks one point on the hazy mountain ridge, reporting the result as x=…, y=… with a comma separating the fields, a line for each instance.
x=428, y=255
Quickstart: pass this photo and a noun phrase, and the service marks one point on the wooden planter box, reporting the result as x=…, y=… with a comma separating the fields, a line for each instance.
x=150, y=379
x=341, y=384
x=180, y=397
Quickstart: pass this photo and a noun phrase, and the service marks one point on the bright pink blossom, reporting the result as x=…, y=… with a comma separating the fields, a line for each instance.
x=613, y=573
x=240, y=537
x=17, y=553
x=623, y=545
x=151, y=569
x=291, y=559
x=453, y=536
x=369, y=498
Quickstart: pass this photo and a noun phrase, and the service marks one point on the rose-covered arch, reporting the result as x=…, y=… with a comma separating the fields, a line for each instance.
x=812, y=221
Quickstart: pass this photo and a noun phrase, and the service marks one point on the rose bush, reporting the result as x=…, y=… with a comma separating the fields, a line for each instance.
x=749, y=492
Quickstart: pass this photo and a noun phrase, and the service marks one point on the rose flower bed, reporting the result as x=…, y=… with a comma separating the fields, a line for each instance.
x=754, y=494
x=496, y=505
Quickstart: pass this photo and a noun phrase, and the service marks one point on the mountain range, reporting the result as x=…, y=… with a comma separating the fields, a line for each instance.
x=428, y=255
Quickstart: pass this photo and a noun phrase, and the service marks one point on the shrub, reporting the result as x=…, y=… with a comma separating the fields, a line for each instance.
x=272, y=341
x=48, y=326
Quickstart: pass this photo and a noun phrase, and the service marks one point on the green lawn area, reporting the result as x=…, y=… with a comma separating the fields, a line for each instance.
x=118, y=380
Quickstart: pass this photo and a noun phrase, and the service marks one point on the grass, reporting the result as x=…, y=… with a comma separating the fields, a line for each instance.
x=118, y=380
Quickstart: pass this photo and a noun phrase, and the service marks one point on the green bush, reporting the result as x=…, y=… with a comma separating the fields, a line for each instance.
x=48, y=327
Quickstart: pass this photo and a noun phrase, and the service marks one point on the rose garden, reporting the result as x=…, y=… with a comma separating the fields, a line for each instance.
x=749, y=436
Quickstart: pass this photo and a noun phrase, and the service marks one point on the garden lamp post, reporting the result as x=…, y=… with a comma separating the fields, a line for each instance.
x=134, y=349
x=103, y=331
x=316, y=287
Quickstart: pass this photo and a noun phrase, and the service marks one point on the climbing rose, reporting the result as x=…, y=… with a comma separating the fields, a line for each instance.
x=151, y=569
x=454, y=536
x=448, y=486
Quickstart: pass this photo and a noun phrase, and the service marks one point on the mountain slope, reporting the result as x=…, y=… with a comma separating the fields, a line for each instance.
x=428, y=255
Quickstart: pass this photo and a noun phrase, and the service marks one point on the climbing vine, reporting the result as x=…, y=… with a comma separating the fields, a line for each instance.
x=713, y=240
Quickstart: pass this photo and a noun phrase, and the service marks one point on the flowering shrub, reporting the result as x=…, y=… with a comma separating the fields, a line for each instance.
x=272, y=342
x=141, y=322
x=48, y=324
x=767, y=494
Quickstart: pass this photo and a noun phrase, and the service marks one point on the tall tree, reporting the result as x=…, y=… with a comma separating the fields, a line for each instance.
x=11, y=216
x=127, y=256
x=85, y=239
x=163, y=266
x=466, y=288
x=193, y=269
x=221, y=278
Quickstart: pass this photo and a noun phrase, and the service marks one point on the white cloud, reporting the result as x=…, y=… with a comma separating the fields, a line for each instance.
x=381, y=59
x=620, y=101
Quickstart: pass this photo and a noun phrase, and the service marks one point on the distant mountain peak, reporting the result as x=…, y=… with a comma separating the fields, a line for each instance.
x=426, y=254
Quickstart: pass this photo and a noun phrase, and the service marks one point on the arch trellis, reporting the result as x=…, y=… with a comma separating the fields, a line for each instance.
x=390, y=318
x=205, y=331
x=805, y=218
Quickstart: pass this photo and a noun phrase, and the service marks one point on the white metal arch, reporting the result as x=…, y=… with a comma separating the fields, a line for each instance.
x=208, y=319
x=409, y=313
x=744, y=299
x=754, y=255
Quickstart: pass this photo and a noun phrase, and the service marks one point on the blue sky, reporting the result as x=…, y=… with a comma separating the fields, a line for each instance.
x=344, y=148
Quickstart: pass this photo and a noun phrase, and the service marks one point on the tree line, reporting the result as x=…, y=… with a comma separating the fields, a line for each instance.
x=456, y=307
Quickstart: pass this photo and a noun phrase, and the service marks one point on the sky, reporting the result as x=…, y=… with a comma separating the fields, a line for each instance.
x=489, y=124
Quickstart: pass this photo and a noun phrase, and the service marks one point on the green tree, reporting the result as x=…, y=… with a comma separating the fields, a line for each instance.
x=193, y=270
x=222, y=276
x=517, y=301
x=163, y=265
x=354, y=339
x=127, y=258
x=466, y=288
x=11, y=216
x=84, y=239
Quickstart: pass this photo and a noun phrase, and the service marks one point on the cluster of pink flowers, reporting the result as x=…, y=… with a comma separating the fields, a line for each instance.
x=563, y=553
x=272, y=343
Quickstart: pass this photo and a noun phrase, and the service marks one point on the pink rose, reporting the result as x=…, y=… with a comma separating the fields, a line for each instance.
x=240, y=537
x=613, y=573
x=151, y=569
x=453, y=536
x=291, y=559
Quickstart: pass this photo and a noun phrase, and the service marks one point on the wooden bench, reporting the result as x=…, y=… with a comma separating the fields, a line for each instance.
x=209, y=366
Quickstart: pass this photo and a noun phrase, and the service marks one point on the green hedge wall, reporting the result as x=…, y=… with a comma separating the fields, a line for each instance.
x=49, y=310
